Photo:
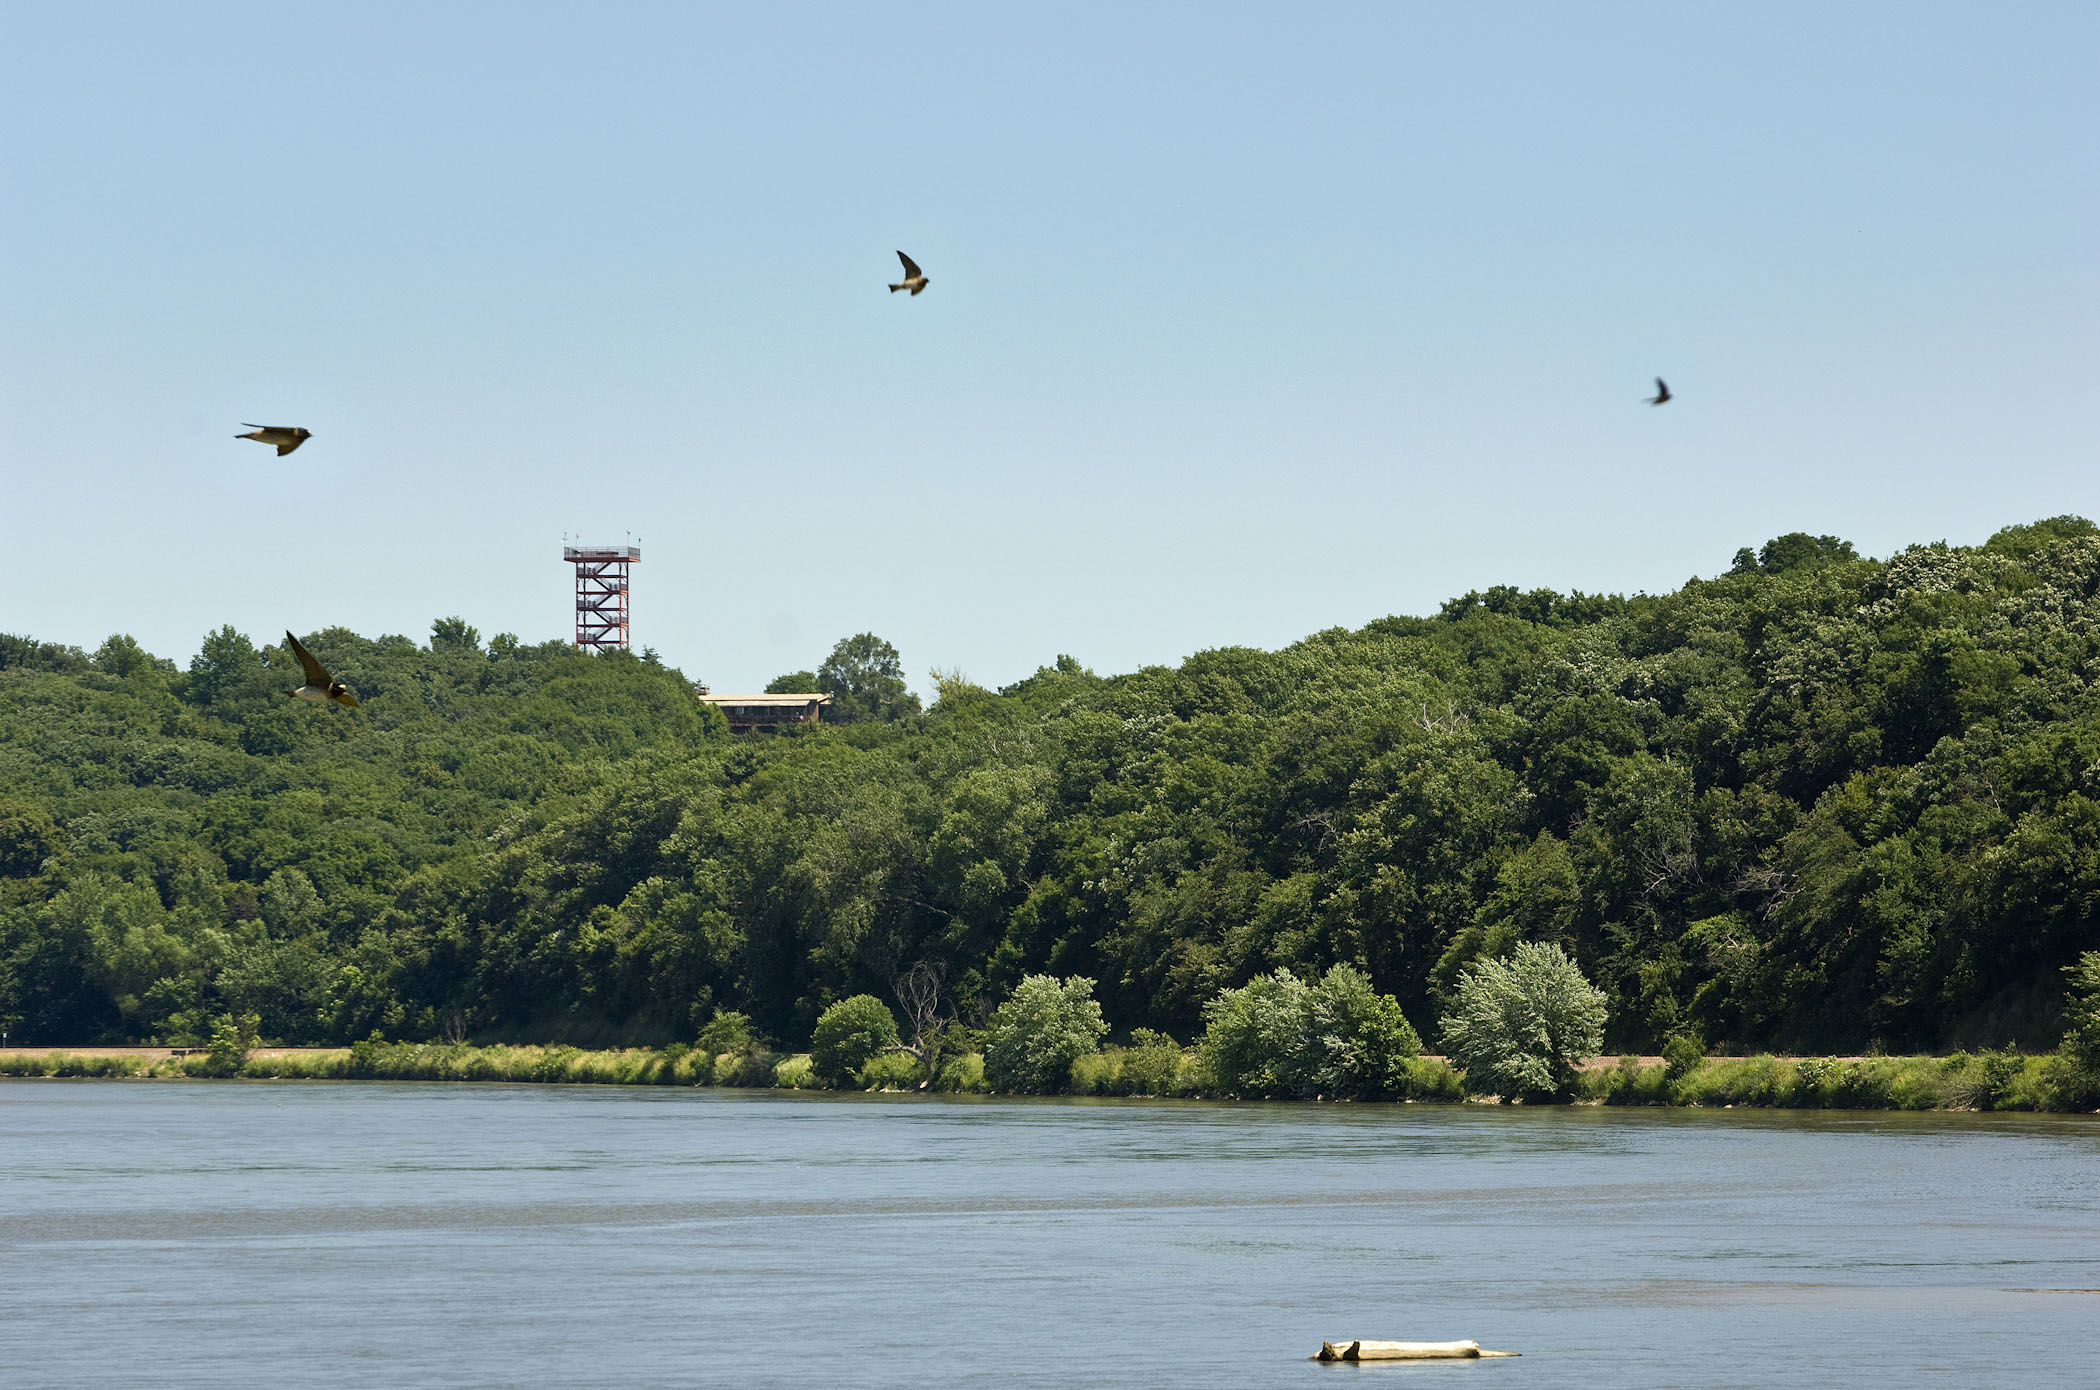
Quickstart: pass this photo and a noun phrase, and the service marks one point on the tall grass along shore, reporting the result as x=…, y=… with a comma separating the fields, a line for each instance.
x=1963, y=1081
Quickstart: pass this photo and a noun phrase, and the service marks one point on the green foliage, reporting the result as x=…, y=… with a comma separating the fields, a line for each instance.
x=233, y=1037
x=849, y=1033
x=1280, y=1037
x=28, y=841
x=28, y=654
x=1998, y=1081
x=454, y=635
x=754, y=1065
x=1256, y=1039
x=1681, y=1055
x=2081, y=1044
x=865, y=678
x=1625, y=1082
x=1432, y=1078
x=961, y=1072
x=953, y=689
x=1817, y=804
x=1360, y=1041
x=1798, y=550
x=889, y=1071
x=727, y=1031
x=1039, y=1032
x=68, y=1064
x=1153, y=1065
x=65, y=1064
x=1520, y=1025
x=226, y=665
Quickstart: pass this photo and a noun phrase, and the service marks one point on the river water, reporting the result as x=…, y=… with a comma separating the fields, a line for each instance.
x=292, y=1234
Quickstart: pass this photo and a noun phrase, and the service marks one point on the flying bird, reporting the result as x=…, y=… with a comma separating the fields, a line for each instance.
x=285, y=437
x=914, y=278
x=320, y=686
x=1662, y=393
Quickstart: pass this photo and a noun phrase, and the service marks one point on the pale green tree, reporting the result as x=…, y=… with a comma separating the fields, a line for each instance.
x=1042, y=1028
x=1521, y=1024
x=2082, y=1014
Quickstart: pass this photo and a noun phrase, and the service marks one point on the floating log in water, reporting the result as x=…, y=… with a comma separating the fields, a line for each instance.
x=1404, y=1351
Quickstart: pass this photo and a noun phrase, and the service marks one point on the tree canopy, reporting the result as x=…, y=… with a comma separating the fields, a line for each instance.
x=1817, y=802
x=865, y=678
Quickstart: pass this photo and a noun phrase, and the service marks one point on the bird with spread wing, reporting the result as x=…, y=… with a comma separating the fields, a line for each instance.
x=914, y=278
x=285, y=437
x=1662, y=393
x=320, y=686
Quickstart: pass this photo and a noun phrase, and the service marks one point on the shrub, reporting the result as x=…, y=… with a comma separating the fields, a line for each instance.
x=752, y=1066
x=1279, y=1036
x=1096, y=1074
x=1681, y=1055
x=552, y=1065
x=962, y=1071
x=1999, y=1069
x=364, y=1056
x=1041, y=1029
x=1759, y=1080
x=1255, y=1037
x=67, y=1064
x=797, y=1073
x=696, y=1068
x=2081, y=1044
x=727, y=1031
x=1521, y=1024
x=1915, y=1083
x=890, y=1071
x=2061, y=1084
x=1627, y=1082
x=1815, y=1078
x=1153, y=1065
x=233, y=1037
x=848, y=1034
x=1361, y=1042
x=1431, y=1078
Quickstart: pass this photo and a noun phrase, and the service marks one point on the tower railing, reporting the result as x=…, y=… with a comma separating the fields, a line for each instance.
x=602, y=589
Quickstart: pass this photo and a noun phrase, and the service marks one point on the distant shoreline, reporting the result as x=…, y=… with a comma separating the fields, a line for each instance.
x=1957, y=1082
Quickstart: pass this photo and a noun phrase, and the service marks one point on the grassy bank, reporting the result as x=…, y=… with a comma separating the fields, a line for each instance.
x=1964, y=1081
x=1171, y=1071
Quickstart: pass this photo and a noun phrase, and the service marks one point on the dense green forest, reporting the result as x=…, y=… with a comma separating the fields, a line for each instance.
x=1819, y=802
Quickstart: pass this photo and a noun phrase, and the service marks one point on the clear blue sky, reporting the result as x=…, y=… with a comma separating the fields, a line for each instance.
x=1245, y=321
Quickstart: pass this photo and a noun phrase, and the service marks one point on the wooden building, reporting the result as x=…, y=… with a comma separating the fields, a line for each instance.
x=749, y=712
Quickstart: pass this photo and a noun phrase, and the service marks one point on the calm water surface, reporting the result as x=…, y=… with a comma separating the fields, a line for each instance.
x=289, y=1234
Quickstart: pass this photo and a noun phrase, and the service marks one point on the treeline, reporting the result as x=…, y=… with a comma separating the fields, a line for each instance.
x=1819, y=803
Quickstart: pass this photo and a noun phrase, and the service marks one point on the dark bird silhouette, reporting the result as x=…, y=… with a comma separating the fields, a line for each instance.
x=320, y=686
x=285, y=437
x=914, y=278
x=1662, y=393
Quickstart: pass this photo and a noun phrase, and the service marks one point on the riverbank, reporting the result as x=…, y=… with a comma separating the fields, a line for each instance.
x=1962, y=1081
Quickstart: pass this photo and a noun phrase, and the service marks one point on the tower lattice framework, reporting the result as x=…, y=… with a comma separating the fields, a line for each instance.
x=602, y=593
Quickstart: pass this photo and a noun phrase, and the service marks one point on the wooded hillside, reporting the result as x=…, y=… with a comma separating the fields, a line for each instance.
x=1820, y=802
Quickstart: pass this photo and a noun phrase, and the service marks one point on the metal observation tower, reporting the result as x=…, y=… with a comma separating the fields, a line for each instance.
x=601, y=593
